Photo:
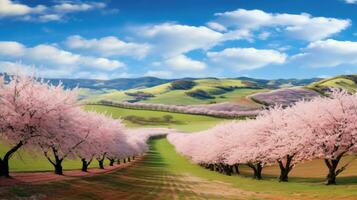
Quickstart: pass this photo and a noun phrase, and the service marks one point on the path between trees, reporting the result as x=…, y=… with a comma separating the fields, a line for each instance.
x=152, y=177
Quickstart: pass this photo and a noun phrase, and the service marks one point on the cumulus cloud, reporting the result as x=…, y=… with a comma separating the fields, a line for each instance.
x=327, y=53
x=184, y=63
x=9, y=8
x=67, y=7
x=299, y=26
x=53, y=60
x=41, y=13
x=169, y=39
x=108, y=46
x=351, y=1
x=174, y=39
x=159, y=73
x=246, y=58
x=11, y=49
x=49, y=17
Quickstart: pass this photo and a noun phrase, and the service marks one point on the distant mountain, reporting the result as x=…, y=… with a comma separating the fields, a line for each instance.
x=279, y=83
x=118, y=84
x=147, y=82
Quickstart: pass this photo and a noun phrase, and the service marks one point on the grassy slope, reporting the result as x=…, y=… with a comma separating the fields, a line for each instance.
x=166, y=96
x=186, y=122
x=338, y=82
x=164, y=174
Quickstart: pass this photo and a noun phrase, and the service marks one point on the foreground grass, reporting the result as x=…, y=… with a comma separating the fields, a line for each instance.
x=164, y=174
x=26, y=160
x=306, y=180
x=182, y=122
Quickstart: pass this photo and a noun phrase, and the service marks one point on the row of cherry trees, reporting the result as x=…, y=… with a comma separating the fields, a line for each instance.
x=323, y=128
x=224, y=111
x=42, y=117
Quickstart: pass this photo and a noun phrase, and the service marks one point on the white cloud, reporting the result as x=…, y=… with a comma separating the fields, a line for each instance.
x=246, y=58
x=351, y=1
x=12, y=49
x=173, y=39
x=108, y=46
x=16, y=68
x=42, y=13
x=77, y=7
x=169, y=39
x=9, y=8
x=264, y=35
x=50, y=17
x=159, y=73
x=299, y=26
x=184, y=63
x=327, y=53
x=50, y=59
x=216, y=26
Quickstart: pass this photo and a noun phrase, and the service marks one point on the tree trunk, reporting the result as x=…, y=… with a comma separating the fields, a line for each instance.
x=129, y=159
x=236, y=166
x=211, y=167
x=124, y=160
x=85, y=164
x=333, y=172
x=57, y=163
x=101, y=163
x=118, y=161
x=111, y=163
x=257, y=169
x=228, y=170
x=216, y=167
x=4, y=163
x=4, y=168
x=58, y=168
x=284, y=170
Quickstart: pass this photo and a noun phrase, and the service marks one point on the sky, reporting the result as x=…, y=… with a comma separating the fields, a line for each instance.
x=179, y=38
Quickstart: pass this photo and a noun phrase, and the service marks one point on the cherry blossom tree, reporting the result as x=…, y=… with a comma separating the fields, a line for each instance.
x=27, y=110
x=332, y=129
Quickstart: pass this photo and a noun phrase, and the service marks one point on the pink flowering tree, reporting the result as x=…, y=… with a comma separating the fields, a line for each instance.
x=65, y=135
x=27, y=110
x=331, y=125
x=87, y=150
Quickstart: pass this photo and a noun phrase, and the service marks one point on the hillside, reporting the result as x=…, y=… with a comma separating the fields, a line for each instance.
x=248, y=93
x=346, y=82
x=204, y=91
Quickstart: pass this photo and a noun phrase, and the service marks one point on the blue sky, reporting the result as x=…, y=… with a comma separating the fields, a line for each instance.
x=179, y=38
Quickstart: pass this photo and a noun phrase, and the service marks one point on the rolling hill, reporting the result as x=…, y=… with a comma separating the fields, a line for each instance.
x=245, y=92
x=204, y=91
x=346, y=82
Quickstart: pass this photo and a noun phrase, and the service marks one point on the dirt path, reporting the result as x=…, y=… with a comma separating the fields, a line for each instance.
x=44, y=177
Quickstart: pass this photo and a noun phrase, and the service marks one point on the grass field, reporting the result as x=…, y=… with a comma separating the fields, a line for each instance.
x=183, y=122
x=164, y=174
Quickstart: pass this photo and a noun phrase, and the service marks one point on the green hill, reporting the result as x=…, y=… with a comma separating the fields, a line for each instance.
x=346, y=82
x=204, y=91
